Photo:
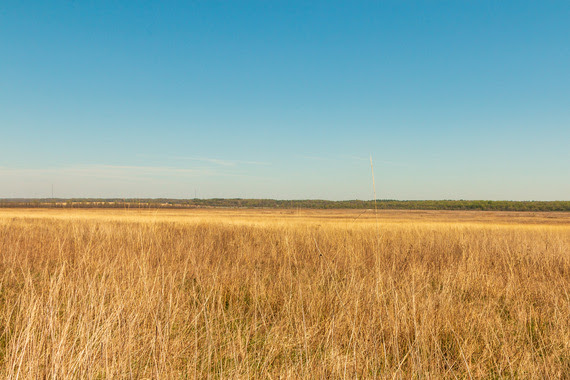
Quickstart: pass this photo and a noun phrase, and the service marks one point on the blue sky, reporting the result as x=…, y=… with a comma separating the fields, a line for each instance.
x=285, y=99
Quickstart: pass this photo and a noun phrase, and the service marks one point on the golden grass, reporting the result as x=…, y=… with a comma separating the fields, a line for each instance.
x=283, y=294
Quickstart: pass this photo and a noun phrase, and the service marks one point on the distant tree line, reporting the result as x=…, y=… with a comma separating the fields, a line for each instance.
x=383, y=204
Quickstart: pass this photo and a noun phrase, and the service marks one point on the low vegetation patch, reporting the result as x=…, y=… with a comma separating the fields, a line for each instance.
x=117, y=294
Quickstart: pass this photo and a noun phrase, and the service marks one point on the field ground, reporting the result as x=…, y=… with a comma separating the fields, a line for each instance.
x=233, y=293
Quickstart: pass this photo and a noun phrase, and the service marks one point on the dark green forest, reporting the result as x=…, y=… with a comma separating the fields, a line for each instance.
x=383, y=204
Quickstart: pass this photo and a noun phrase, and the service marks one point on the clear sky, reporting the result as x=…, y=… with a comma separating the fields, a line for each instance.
x=285, y=99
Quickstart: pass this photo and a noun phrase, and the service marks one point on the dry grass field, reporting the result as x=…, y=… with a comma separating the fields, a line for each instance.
x=283, y=294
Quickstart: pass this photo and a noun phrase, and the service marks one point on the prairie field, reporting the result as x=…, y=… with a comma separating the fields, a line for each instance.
x=268, y=294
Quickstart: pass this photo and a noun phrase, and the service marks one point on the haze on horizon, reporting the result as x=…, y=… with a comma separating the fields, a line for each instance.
x=285, y=99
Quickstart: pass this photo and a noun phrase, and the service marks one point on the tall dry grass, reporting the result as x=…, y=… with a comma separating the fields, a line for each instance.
x=111, y=295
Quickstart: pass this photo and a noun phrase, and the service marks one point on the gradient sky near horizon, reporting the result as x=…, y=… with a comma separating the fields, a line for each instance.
x=285, y=99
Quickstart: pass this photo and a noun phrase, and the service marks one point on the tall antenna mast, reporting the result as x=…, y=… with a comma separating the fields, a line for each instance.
x=374, y=188
x=373, y=184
